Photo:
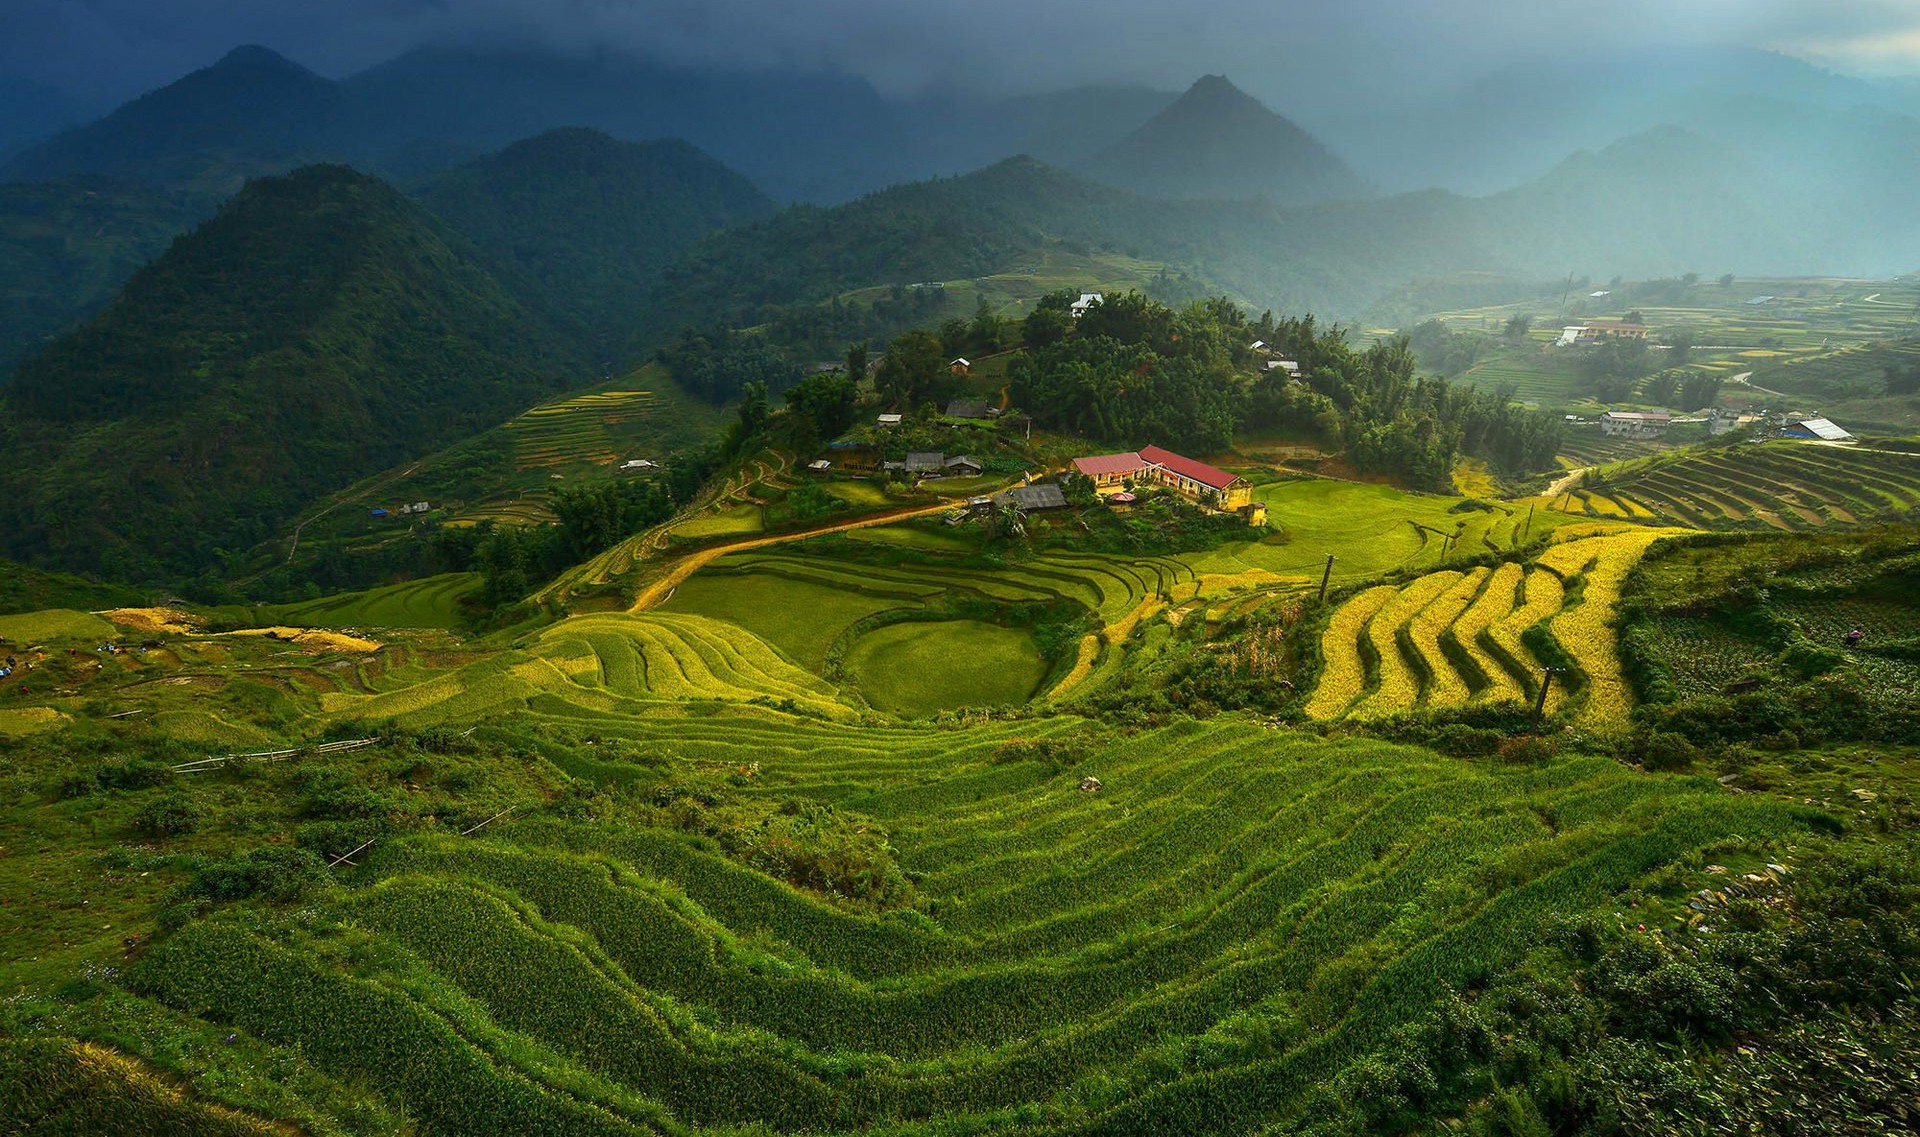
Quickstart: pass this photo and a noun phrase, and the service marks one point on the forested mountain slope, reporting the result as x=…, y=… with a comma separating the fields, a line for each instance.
x=319, y=328
x=580, y=223
x=67, y=246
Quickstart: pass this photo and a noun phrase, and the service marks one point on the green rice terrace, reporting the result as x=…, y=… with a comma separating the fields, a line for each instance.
x=881, y=826
x=1775, y=485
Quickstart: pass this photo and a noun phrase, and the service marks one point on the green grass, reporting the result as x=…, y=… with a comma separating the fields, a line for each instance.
x=919, y=668
x=1369, y=529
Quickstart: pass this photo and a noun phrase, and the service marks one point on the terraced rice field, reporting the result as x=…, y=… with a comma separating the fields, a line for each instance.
x=1451, y=638
x=1777, y=485
x=1531, y=375
x=430, y=603
x=803, y=604
x=1586, y=446
x=918, y=668
x=576, y=429
x=1235, y=917
x=602, y=665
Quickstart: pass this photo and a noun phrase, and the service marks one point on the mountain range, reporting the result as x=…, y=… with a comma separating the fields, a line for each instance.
x=332, y=322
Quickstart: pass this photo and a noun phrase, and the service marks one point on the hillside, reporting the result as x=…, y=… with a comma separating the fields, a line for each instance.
x=319, y=328
x=67, y=247
x=1216, y=141
x=1611, y=212
x=579, y=224
x=785, y=837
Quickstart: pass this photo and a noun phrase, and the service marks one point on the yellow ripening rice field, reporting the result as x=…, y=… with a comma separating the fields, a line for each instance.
x=1446, y=687
x=1399, y=686
x=1449, y=638
x=1343, y=674
x=1585, y=630
x=1495, y=603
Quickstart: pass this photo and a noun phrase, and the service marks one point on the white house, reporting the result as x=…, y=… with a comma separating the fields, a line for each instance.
x=1087, y=300
x=1635, y=424
x=889, y=420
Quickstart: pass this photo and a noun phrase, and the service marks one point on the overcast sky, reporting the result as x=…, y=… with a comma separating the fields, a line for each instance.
x=108, y=50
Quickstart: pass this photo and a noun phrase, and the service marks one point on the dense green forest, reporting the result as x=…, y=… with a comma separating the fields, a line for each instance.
x=1131, y=371
x=319, y=329
x=66, y=247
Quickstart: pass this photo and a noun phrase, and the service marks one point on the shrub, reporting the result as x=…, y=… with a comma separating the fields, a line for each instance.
x=275, y=873
x=169, y=816
x=1667, y=750
x=1526, y=750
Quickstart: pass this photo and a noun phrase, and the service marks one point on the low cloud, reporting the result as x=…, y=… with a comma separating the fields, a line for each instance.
x=1292, y=51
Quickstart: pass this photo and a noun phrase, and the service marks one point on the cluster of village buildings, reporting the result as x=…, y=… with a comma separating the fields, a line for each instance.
x=1721, y=421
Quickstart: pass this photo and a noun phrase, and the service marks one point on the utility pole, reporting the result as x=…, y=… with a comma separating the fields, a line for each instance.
x=1529, y=529
x=1326, y=576
x=1540, y=704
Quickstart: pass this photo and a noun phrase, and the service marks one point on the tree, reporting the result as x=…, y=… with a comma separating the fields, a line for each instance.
x=984, y=333
x=857, y=361
x=914, y=370
x=953, y=336
x=826, y=400
x=1680, y=347
x=1634, y=316
x=1517, y=327
x=1726, y=280
x=1050, y=321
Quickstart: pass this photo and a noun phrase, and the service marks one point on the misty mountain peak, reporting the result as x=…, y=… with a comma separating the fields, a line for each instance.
x=255, y=57
x=1216, y=87
x=1217, y=141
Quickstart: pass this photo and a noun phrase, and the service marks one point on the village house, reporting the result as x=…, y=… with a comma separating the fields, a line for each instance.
x=1817, y=429
x=960, y=366
x=1208, y=485
x=1635, y=424
x=1087, y=300
x=1721, y=421
x=1040, y=495
x=1598, y=331
x=924, y=463
x=965, y=466
x=970, y=409
x=889, y=420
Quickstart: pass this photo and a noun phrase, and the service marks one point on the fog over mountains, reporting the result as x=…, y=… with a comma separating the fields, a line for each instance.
x=1638, y=163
